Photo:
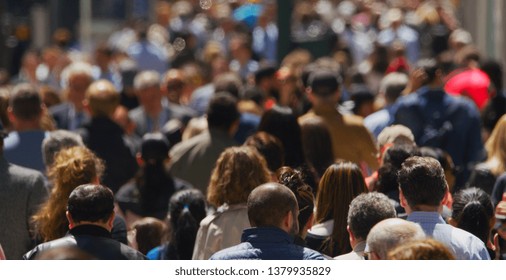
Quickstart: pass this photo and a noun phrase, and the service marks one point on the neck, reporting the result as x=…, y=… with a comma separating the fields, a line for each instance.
x=27, y=125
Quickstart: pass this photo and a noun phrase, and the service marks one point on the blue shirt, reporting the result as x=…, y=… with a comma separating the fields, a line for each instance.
x=266, y=243
x=25, y=149
x=463, y=244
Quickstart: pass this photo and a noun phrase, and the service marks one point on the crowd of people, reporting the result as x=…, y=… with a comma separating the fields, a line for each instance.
x=188, y=138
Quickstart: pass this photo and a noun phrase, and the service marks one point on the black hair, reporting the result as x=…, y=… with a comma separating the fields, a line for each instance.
x=186, y=208
x=494, y=71
x=222, y=111
x=392, y=162
x=155, y=183
x=282, y=123
x=473, y=210
x=430, y=67
x=91, y=203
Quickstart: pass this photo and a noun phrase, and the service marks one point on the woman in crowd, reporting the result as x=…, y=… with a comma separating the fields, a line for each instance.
x=305, y=199
x=485, y=174
x=340, y=184
x=149, y=193
x=282, y=123
x=237, y=172
x=317, y=144
x=473, y=212
x=71, y=168
x=186, y=209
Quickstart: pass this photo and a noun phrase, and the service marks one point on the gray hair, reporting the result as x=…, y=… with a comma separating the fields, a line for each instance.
x=392, y=86
x=76, y=68
x=56, y=141
x=146, y=79
x=366, y=210
x=389, y=233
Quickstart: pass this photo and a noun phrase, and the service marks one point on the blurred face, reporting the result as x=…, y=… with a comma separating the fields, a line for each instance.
x=77, y=86
x=150, y=98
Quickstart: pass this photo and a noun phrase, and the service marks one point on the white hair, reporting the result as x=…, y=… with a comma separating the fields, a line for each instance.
x=76, y=68
x=146, y=79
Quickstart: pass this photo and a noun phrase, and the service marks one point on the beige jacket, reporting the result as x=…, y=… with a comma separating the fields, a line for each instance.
x=220, y=230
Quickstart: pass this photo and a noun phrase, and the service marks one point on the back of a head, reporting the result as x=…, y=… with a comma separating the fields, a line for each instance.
x=366, y=210
x=269, y=203
x=102, y=98
x=422, y=181
x=392, y=86
x=25, y=102
x=222, y=112
x=392, y=161
x=324, y=83
x=75, y=69
x=270, y=147
x=317, y=143
x=473, y=212
x=494, y=71
x=149, y=233
x=389, y=233
x=428, y=249
x=91, y=203
x=56, y=141
x=186, y=209
x=154, y=147
x=430, y=67
x=305, y=198
x=340, y=184
x=282, y=123
x=237, y=172
x=390, y=133
x=229, y=82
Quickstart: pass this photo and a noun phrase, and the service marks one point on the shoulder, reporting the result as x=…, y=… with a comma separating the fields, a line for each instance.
x=33, y=178
x=58, y=243
x=310, y=254
x=241, y=251
x=136, y=112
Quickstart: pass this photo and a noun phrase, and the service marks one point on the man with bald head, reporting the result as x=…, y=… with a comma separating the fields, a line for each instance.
x=390, y=233
x=272, y=212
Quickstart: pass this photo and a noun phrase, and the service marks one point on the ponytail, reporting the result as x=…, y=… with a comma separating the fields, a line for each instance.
x=185, y=233
x=474, y=219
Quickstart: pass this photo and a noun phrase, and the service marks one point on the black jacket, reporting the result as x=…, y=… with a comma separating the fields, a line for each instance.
x=94, y=240
x=104, y=137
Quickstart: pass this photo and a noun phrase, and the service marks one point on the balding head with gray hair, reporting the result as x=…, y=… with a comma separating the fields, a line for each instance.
x=388, y=234
x=146, y=79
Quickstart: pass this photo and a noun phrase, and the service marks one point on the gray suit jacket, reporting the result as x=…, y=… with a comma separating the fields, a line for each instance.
x=22, y=190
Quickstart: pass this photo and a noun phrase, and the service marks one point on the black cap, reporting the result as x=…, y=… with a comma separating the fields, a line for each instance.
x=154, y=147
x=324, y=83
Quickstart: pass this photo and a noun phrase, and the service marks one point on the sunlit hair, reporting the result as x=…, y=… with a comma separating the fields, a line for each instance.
x=237, y=172
x=496, y=147
x=72, y=167
x=339, y=185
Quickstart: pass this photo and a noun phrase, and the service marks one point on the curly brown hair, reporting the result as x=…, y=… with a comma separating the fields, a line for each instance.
x=237, y=172
x=72, y=167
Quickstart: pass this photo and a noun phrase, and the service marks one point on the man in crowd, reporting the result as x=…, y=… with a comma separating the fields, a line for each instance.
x=105, y=137
x=22, y=146
x=198, y=154
x=350, y=139
x=442, y=121
x=90, y=212
x=388, y=234
x=272, y=212
x=366, y=210
x=21, y=192
x=76, y=78
x=423, y=192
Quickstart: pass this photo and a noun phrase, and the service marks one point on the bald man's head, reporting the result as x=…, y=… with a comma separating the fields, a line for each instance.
x=390, y=233
x=268, y=205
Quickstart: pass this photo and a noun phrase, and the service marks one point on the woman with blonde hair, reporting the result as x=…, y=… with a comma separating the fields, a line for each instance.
x=485, y=174
x=339, y=185
x=71, y=168
x=237, y=172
